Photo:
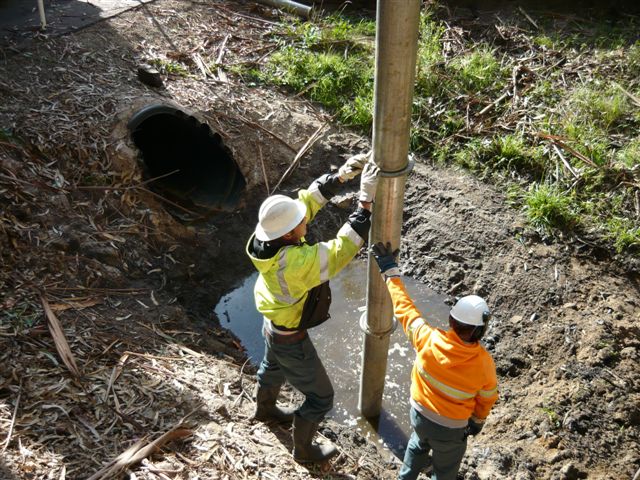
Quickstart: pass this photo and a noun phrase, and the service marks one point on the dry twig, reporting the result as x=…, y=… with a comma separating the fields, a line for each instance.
x=308, y=144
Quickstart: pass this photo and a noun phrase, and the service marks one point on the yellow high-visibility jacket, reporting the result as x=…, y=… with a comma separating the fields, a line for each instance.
x=286, y=278
x=451, y=380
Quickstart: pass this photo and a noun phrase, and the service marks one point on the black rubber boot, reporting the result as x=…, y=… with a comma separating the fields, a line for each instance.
x=266, y=408
x=304, y=450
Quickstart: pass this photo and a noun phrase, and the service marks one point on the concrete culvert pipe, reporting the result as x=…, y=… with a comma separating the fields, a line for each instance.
x=206, y=178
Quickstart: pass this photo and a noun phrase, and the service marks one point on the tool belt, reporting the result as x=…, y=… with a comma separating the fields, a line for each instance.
x=285, y=339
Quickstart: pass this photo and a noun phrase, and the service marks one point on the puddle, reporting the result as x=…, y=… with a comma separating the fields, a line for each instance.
x=339, y=345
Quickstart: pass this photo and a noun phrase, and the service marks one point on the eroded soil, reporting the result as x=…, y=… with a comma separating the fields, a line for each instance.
x=134, y=288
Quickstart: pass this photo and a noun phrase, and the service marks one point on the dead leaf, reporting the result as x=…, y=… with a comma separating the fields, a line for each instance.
x=62, y=346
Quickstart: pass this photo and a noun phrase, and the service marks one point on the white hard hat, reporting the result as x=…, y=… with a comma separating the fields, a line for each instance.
x=471, y=310
x=278, y=215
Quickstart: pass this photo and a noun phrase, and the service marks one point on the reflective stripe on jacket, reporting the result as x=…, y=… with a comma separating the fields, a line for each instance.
x=286, y=278
x=451, y=380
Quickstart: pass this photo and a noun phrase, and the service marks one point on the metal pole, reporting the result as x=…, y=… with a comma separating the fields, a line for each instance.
x=396, y=50
x=43, y=20
x=287, y=5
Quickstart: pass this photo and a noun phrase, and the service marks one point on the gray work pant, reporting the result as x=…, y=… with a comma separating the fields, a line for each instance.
x=298, y=363
x=447, y=444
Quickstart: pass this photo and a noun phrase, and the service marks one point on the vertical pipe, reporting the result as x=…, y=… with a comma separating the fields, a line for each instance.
x=43, y=20
x=290, y=6
x=396, y=50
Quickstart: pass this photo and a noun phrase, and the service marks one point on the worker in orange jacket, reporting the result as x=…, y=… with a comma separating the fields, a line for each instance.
x=453, y=381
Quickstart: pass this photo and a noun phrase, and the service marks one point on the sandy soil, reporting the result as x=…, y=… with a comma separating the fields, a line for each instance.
x=134, y=288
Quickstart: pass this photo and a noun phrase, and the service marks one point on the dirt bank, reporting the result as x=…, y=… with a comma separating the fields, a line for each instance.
x=134, y=288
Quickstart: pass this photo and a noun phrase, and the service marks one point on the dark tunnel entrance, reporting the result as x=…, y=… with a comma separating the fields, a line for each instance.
x=206, y=178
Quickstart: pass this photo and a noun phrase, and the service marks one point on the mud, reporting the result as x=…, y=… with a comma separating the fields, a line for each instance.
x=565, y=335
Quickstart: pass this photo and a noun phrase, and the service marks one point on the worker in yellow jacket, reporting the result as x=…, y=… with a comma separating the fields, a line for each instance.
x=453, y=381
x=292, y=293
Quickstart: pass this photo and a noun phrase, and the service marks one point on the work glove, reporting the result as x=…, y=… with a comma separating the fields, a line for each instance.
x=353, y=167
x=328, y=184
x=473, y=428
x=386, y=259
x=369, y=182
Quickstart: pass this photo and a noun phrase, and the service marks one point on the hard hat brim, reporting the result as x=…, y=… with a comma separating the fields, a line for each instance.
x=266, y=236
x=471, y=323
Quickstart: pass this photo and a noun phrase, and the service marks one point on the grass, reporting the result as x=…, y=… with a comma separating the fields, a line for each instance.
x=168, y=67
x=602, y=105
x=548, y=208
x=553, y=417
x=501, y=153
x=629, y=155
x=624, y=233
x=576, y=94
x=331, y=63
x=477, y=70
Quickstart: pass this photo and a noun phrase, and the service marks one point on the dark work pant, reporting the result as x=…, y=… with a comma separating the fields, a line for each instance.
x=298, y=363
x=447, y=445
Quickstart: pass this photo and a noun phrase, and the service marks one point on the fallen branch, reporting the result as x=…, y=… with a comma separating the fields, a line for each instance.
x=13, y=419
x=137, y=452
x=633, y=98
x=312, y=139
x=528, y=17
x=62, y=346
x=260, y=127
x=565, y=162
x=494, y=103
x=559, y=141
x=264, y=171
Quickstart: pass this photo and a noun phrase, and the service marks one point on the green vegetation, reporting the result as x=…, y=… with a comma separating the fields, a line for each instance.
x=566, y=145
x=476, y=71
x=331, y=63
x=554, y=418
x=548, y=208
x=169, y=67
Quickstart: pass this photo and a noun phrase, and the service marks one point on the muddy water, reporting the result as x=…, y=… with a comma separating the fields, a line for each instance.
x=339, y=344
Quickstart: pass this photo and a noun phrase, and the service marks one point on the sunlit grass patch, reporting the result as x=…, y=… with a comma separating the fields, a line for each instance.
x=604, y=106
x=343, y=84
x=331, y=62
x=586, y=138
x=624, y=233
x=477, y=70
x=629, y=154
x=544, y=41
x=502, y=153
x=429, y=78
x=547, y=208
x=169, y=67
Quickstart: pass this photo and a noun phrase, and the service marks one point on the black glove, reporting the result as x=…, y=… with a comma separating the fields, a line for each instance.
x=328, y=184
x=473, y=428
x=385, y=257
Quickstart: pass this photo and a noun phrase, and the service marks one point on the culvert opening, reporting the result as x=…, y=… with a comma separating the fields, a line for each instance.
x=191, y=165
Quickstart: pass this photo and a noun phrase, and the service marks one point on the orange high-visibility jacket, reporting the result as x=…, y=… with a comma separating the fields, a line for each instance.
x=451, y=380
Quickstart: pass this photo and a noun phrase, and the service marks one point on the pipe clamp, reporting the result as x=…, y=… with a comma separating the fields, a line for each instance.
x=365, y=328
x=398, y=173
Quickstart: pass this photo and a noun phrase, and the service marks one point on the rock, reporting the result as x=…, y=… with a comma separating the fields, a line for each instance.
x=111, y=276
x=150, y=76
x=570, y=472
x=102, y=252
x=524, y=475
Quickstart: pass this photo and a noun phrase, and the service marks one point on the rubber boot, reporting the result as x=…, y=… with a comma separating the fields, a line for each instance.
x=266, y=408
x=304, y=450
